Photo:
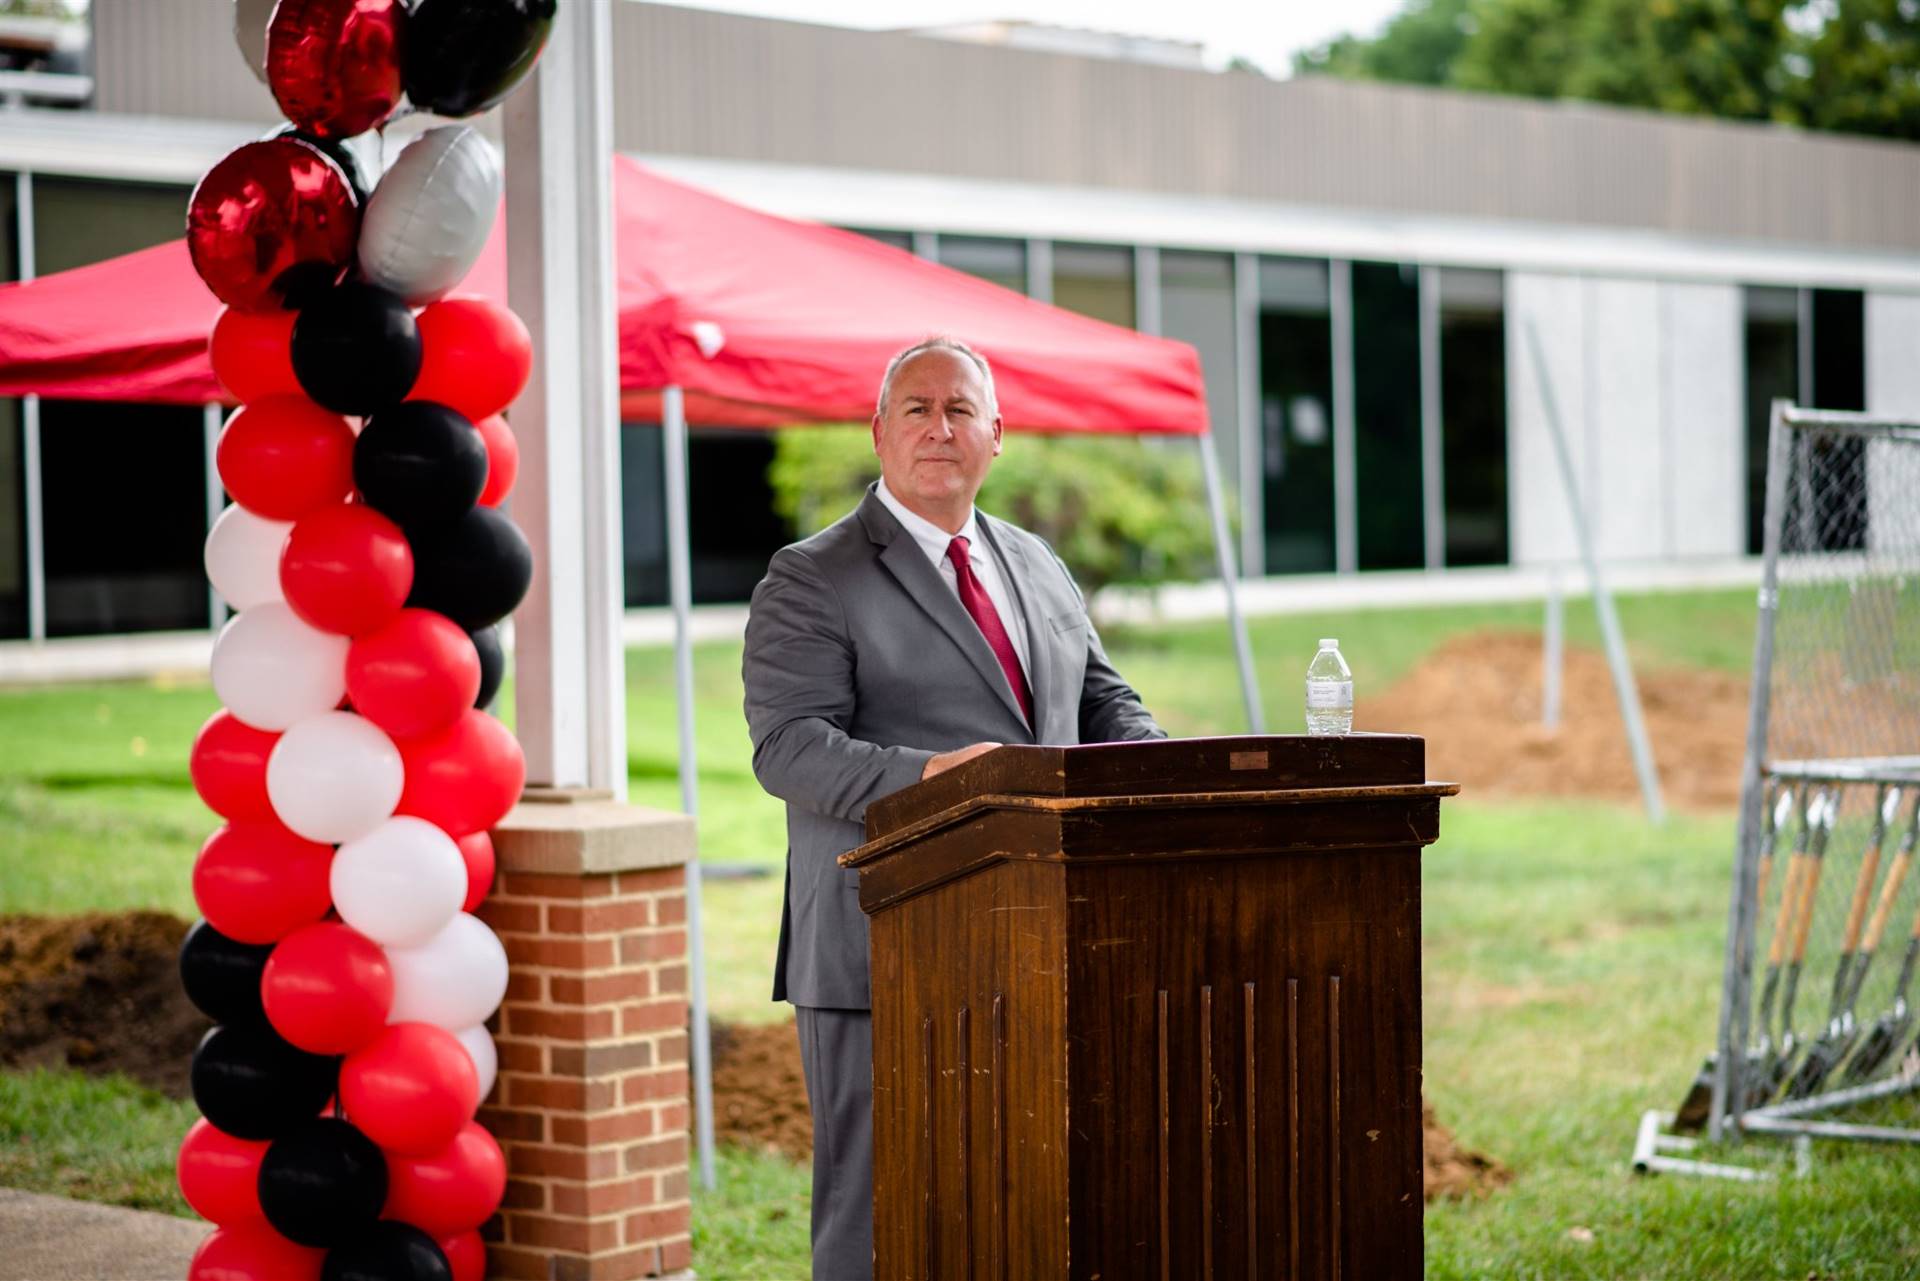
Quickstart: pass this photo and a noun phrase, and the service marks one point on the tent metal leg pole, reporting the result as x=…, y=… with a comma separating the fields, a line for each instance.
x=216, y=500
x=680, y=589
x=1230, y=579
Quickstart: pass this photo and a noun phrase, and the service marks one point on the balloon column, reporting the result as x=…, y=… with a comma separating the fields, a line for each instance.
x=353, y=760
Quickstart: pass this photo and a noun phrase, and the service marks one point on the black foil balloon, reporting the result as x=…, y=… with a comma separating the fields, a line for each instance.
x=323, y=1183
x=250, y=1083
x=420, y=464
x=222, y=977
x=356, y=348
x=333, y=149
x=474, y=569
x=388, y=1251
x=493, y=665
x=463, y=56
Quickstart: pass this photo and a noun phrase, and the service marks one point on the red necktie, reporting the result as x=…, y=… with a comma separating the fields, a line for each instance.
x=980, y=605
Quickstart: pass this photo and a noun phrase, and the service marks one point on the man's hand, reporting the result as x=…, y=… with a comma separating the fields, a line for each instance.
x=959, y=756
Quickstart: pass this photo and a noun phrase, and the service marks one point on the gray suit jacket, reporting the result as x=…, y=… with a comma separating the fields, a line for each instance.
x=860, y=664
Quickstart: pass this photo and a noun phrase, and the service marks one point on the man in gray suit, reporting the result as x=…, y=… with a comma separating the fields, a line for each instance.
x=911, y=635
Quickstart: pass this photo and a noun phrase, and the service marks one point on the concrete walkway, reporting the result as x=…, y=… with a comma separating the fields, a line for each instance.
x=49, y=1238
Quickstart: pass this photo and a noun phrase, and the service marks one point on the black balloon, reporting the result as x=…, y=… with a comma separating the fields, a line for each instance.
x=356, y=348
x=323, y=1183
x=250, y=1083
x=388, y=1251
x=463, y=56
x=222, y=977
x=493, y=665
x=420, y=464
x=474, y=569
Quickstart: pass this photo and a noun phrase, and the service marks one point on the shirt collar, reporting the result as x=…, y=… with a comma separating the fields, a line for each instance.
x=932, y=539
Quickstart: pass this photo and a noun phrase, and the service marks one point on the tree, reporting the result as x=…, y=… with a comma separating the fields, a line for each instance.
x=1859, y=71
x=1417, y=46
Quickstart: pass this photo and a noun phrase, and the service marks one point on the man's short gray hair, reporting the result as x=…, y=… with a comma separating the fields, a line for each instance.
x=938, y=343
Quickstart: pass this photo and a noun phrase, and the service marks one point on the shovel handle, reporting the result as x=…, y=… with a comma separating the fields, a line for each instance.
x=1862, y=891
x=1783, y=919
x=1877, y=927
x=1811, y=879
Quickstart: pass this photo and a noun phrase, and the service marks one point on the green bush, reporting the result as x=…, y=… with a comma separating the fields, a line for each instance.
x=1118, y=509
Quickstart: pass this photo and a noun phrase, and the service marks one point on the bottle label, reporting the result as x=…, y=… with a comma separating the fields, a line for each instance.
x=1329, y=696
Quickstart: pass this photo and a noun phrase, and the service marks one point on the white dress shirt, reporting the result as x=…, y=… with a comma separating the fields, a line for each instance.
x=934, y=541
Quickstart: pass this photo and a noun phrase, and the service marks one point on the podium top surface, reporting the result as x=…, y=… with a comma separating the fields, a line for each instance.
x=1177, y=766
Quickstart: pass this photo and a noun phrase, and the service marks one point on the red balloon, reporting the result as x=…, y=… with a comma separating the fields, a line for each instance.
x=410, y=1089
x=219, y=1174
x=256, y=882
x=253, y=1252
x=334, y=65
x=476, y=356
x=346, y=569
x=229, y=767
x=503, y=459
x=466, y=1255
x=465, y=777
x=251, y=352
x=454, y=1189
x=327, y=988
x=415, y=675
x=271, y=219
x=284, y=457
x=477, y=849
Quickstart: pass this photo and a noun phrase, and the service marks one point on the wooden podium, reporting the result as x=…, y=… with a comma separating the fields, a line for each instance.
x=1151, y=1010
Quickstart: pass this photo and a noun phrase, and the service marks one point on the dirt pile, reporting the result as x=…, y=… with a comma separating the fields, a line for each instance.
x=1476, y=699
x=1450, y=1172
x=100, y=993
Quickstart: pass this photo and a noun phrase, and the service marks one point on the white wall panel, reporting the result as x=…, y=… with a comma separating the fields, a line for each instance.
x=1704, y=377
x=1553, y=307
x=1893, y=388
x=1625, y=419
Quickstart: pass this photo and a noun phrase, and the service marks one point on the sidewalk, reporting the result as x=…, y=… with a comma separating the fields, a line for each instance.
x=49, y=1238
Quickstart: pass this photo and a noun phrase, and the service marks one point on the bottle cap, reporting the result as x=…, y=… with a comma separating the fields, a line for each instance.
x=1329, y=642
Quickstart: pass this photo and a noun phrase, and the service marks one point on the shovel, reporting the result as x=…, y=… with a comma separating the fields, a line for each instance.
x=1849, y=971
x=1775, y=820
x=1888, y=1030
x=1820, y=815
x=1761, y=1055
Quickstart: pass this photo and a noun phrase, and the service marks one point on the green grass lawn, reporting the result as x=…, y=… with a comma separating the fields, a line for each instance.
x=1572, y=959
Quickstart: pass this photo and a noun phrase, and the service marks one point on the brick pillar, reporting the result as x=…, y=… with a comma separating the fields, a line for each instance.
x=591, y=1105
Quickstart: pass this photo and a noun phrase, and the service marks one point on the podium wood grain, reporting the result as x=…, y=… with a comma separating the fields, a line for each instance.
x=1151, y=1010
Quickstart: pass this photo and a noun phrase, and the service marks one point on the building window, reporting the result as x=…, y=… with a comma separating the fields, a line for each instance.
x=1473, y=416
x=1095, y=280
x=732, y=528
x=77, y=221
x=1296, y=415
x=1386, y=404
x=1196, y=306
x=1004, y=262
x=1773, y=373
x=898, y=239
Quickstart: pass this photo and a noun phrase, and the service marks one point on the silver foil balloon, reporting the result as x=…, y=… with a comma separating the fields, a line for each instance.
x=429, y=217
x=250, y=33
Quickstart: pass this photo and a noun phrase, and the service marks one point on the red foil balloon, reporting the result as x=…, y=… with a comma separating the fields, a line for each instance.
x=414, y=676
x=284, y=456
x=219, y=1174
x=503, y=459
x=455, y=1189
x=271, y=219
x=334, y=65
x=411, y=1089
x=256, y=882
x=476, y=356
x=229, y=767
x=346, y=569
x=477, y=849
x=464, y=778
x=250, y=353
x=327, y=988
x=253, y=1252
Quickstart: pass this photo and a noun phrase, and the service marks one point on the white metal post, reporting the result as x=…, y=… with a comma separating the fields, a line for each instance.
x=1230, y=581
x=1146, y=288
x=1346, y=494
x=673, y=423
x=30, y=454
x=569, y=665
x=1553, y=655
x=1246, y=400
x=216, y=499
x=1040, y=269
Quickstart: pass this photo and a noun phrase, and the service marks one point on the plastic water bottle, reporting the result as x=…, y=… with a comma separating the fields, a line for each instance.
x=1329, y=691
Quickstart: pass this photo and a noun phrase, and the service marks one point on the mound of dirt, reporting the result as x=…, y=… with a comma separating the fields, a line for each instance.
x=1476, y=700
x=100, y=993
x=760, y=1101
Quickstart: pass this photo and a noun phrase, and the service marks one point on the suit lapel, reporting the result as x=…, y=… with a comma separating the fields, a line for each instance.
x=902, y=558
x=1024, y=587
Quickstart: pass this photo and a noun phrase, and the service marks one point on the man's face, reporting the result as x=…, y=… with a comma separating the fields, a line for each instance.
x=938, y=435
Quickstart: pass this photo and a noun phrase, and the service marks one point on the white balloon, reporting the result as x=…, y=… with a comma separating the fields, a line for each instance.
x=400, y=883
x=453, y=980
x=271, y=669
x=250, y=33
x=334, y=777
x=243, y=557
x=486, y=1056
x=428, y=219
